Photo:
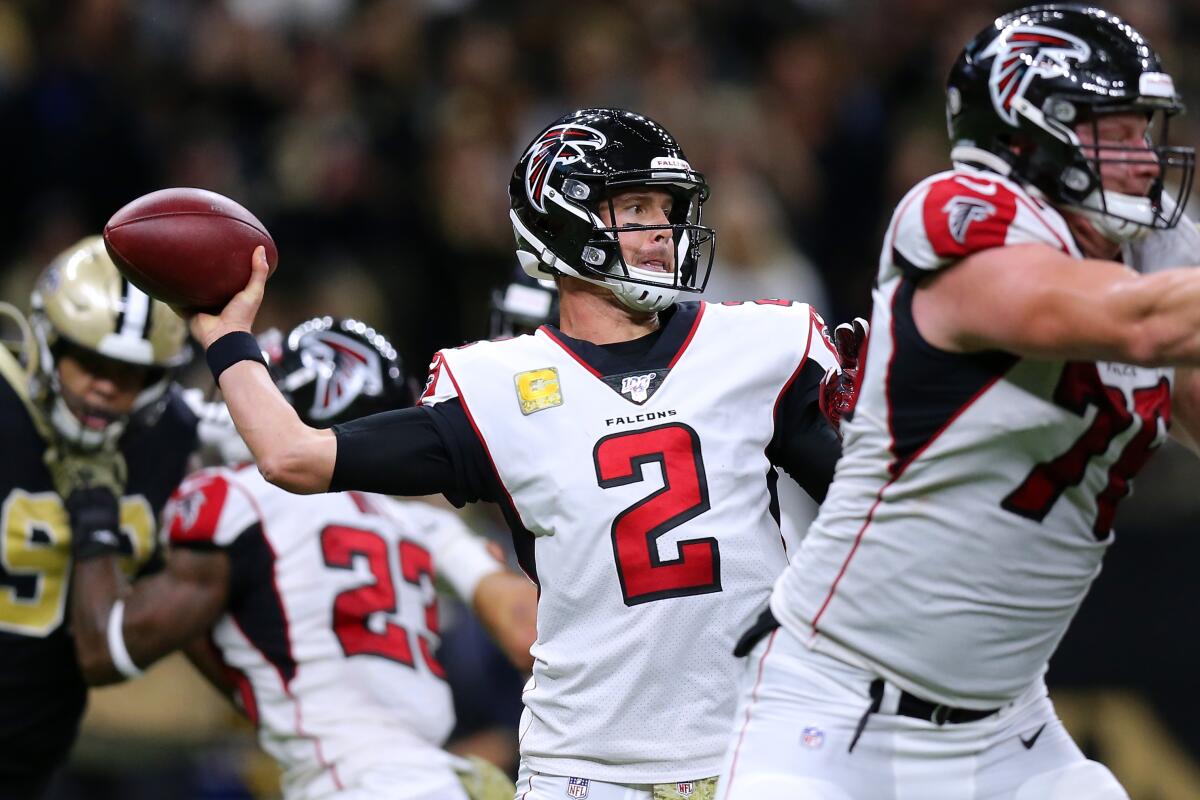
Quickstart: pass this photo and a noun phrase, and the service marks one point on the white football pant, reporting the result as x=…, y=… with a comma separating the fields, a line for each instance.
x=798, y=711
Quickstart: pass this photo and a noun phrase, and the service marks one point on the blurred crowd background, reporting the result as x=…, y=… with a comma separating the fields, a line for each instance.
x=375, y=139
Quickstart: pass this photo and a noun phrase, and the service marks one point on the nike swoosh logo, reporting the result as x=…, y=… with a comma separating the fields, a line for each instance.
x=982, y=188
x=1032, y=740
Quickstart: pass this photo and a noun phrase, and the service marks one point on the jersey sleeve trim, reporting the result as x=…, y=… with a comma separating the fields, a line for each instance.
x=285, y=664
x=437, y=390
x=483, y=441
x=812, y=317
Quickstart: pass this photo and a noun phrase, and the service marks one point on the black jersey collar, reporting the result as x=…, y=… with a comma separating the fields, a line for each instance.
x=657, y=350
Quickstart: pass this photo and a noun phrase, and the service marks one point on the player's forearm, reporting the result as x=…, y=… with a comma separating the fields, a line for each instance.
x=289, y=453
x=207, y=661
x=506, y=605
x=1164, y=312
x=95, y=586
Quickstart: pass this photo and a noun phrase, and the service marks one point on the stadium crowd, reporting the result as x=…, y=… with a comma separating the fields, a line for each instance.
x=374, y=138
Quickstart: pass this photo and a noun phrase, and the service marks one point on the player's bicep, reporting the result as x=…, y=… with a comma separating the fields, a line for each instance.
x=167, y=610
x=395, y=452
x=1030, y=300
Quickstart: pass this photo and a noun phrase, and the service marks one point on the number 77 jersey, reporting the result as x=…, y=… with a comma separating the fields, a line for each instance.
x=976, y=495
x=642, y=503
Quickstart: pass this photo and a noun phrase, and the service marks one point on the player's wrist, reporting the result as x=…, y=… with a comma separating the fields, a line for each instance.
x=231, y=348
x=95, y=518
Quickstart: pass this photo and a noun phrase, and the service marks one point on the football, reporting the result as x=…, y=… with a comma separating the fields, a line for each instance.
x=190, y=248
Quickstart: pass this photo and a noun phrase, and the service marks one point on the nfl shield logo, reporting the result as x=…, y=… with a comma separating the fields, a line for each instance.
x=577, y=787
x=686, y=789
x=812, y=737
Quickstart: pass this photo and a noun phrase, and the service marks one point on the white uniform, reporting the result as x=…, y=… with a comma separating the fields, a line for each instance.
x=653, y=541
x=331, y=629
x=967, y=519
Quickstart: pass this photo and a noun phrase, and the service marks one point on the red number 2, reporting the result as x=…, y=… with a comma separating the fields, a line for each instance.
x=1080, y=387
x=353, y=608
x=635, y=531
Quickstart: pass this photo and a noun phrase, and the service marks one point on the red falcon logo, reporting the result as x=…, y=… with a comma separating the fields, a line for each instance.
x=962, y=211
x=562, y=144
x=1023, y=53
x=344, y=369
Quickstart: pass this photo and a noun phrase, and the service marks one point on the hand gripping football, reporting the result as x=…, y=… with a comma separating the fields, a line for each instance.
x=190, y=248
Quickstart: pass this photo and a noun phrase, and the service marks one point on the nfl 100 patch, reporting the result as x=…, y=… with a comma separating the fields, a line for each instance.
x=538, y=389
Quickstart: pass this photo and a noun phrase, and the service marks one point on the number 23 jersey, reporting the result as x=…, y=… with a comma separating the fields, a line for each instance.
x=331, y=626
x=976, y=495
x=645, y=500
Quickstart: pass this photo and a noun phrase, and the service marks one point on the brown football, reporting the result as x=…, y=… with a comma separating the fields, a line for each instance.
x=190, y=248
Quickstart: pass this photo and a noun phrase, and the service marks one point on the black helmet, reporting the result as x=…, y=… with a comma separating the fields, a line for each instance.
x=1021, y=86
x=574, y=165
x=522, y=306
x=332, y=370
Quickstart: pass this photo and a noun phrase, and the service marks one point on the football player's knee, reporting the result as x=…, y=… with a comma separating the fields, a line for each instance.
x=782, y=787
x=1086, y=779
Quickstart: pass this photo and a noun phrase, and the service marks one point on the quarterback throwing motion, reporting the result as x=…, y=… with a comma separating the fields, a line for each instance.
x=632, y=448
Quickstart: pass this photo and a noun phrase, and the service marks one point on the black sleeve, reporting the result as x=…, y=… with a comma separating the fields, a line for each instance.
x=415, y=451
x=804, y=445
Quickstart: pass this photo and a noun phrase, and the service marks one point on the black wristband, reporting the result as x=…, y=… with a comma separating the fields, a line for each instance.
x=229, y=350
x=94, y=513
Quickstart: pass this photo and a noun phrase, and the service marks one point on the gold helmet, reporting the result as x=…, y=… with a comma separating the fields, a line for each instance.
x=82, y=300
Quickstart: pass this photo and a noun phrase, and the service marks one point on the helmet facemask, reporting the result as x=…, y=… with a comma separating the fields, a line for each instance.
x=81, y=303
x=1071, y=169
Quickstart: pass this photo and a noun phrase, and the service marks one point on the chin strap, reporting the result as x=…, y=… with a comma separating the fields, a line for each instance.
x=1126, y=218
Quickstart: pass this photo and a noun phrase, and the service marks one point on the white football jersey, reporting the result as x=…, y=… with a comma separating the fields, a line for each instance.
x=332, y=622
x=976, y=493
x=647, y=499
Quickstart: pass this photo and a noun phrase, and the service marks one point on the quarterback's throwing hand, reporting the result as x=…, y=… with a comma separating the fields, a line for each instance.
x=239, y=312
x=839, y=387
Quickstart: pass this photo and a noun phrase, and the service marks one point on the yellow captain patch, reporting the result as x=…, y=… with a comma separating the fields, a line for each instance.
x=538, y=389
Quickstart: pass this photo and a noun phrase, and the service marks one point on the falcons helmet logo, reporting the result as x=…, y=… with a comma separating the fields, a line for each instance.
x=344, y=369
x=1024, y=53
x=562, y=144
x=962, y=211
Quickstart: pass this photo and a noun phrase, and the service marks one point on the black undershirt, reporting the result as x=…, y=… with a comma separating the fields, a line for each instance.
x=434, y=449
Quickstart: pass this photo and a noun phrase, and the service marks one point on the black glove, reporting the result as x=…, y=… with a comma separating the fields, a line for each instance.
x=95, y=515
x=839, y=387
x=90, y=484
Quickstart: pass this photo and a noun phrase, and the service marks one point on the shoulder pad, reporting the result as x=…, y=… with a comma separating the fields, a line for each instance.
x=963, y=215
x=438, y=386
x=208, y=510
